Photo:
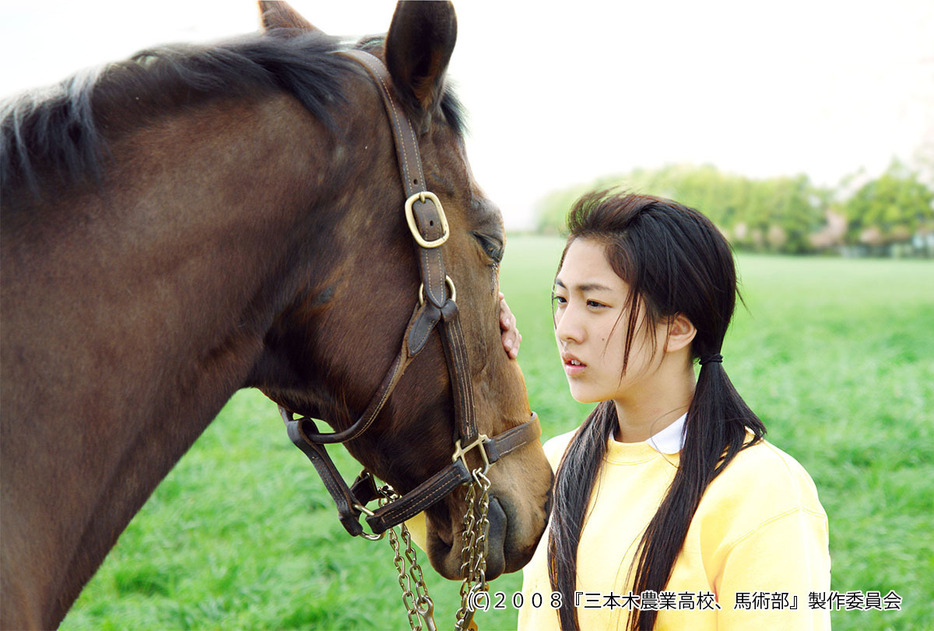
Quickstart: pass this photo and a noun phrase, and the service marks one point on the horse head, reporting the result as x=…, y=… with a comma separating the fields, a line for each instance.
x=327, y=354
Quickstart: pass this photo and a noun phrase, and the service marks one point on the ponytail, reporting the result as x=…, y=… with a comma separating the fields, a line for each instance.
x=714, y=432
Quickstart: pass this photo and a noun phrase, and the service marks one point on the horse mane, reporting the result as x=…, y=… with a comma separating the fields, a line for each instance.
x=58, y=132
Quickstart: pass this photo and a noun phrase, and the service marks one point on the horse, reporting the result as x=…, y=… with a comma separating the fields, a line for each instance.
x=200, y=219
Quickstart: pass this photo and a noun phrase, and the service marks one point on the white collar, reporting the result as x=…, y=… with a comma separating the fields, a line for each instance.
x=671, y=439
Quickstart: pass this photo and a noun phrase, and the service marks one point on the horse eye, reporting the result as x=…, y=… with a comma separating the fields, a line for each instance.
x=492, y=246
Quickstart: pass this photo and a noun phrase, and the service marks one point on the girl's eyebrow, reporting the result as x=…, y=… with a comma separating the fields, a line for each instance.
x=584, y=287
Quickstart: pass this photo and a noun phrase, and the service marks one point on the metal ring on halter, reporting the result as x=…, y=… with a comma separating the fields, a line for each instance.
x=447, y=281
x=366, y=535
x=410, y=218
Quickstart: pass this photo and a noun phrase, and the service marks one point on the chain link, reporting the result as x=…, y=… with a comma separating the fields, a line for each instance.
x=418, y=605
x=473, y=554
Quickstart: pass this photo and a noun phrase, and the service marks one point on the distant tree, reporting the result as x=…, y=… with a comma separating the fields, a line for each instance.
x=890, y=208
x=785, y=211
x=777, y=214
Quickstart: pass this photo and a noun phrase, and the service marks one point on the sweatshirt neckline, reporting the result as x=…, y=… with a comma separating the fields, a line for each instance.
x=668, y=441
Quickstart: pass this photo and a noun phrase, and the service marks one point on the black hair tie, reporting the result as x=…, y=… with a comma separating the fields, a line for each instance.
x=716, y=358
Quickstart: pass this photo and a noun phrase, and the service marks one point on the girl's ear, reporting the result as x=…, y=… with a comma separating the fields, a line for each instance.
x=681, y=333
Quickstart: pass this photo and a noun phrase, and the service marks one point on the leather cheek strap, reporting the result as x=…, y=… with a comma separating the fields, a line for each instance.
x=425, y=214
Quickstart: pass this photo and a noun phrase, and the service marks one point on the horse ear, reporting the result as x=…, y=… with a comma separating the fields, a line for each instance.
x=278, y=15
x=418, y=48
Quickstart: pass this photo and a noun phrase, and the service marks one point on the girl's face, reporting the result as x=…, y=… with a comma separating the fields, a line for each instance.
x=591, y=318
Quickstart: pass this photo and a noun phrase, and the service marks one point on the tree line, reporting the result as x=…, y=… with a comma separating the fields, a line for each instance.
x=892, y=214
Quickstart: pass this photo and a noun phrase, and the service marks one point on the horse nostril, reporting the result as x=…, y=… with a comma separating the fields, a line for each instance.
x=496, y=540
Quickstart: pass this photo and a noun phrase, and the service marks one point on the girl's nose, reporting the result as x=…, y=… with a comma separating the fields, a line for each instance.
x=567, y=327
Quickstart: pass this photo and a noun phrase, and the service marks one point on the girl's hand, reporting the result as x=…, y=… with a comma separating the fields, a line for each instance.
x=507, y=322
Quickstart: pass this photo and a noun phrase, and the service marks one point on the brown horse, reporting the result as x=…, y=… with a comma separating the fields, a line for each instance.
x=201, y=219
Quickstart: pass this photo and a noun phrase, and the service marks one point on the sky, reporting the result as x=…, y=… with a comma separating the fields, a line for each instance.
x=561, y=93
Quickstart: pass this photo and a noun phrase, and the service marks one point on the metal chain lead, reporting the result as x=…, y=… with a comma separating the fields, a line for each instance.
x=418, y=605
x=473, y=554
x=423, y=603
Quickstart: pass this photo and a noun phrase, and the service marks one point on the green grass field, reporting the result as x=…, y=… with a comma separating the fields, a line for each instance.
x=836, y=356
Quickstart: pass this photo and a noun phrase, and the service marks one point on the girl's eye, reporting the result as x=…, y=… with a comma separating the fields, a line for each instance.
x=559, y=301
x=593, y=304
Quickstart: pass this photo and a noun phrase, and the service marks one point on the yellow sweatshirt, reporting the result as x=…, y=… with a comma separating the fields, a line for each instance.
x=755, y=550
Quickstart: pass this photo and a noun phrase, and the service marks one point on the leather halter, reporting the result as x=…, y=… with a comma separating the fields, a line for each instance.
x=429, y=228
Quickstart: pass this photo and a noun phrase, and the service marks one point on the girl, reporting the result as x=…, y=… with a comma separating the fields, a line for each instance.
x=670, y=510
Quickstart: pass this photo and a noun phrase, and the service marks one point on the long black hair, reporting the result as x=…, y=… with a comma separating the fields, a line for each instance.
x=675, y=261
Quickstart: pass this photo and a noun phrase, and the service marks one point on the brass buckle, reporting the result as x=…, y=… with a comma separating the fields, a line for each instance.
x=461, y=452
x=410, y=218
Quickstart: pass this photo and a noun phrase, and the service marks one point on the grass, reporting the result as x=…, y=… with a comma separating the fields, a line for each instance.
x=837, y=357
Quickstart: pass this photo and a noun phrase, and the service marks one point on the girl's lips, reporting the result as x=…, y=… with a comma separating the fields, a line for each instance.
x=572, y=365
